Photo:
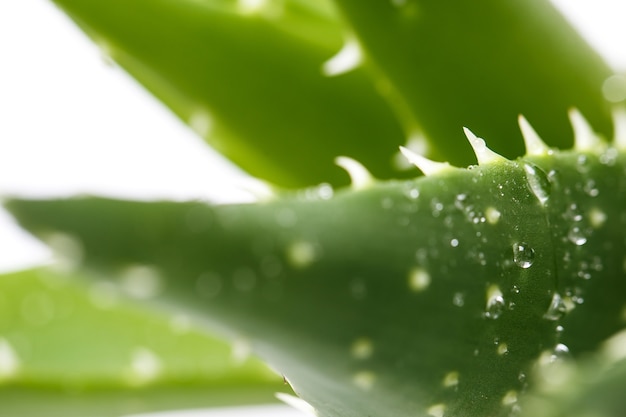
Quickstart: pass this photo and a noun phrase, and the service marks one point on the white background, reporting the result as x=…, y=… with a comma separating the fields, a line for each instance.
x=70, y=123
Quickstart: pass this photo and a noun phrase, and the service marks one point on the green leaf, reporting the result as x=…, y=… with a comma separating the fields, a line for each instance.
x=480, y=65
x=68, y=350
x=593, y=387
x=434, y=296
x=251, y=83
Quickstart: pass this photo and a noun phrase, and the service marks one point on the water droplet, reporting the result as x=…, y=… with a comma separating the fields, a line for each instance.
x=502, y=349
x=509, y=398
x=523, y=255
x=493, y=215
x=412, y=193
x=451, y=379
x=521, y=377
x=145, y=366
x=597, y=217
x=582, y=164
x=614, y=88
x=201, y=122
x=141, y=281
x=590, y=188
x=301, y=254
x=362, y=348
x=458, y=299
x=561, y=351
x=495, y=302
x=573, y=213
x=454, y=243
x=577, y=236
x=538, y=182
x=436, y=207
x=240, y=350
x=419, y=279
x=557, y=308
x=364, y=380
x=437, y=410
x=462, y=202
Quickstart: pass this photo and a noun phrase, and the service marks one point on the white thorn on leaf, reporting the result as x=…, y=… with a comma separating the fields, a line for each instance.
x=359, y=175
x=484, y=155
x=534, y=144
x=619, y=126
x=347, y=59
x=425, y=165
x=297, y=403
x=585, y=139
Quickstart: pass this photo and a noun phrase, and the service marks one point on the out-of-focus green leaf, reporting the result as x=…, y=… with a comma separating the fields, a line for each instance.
x=251, y=82
x=592, y=387
x=480, y=65
x=68, y=350
x=429, y=297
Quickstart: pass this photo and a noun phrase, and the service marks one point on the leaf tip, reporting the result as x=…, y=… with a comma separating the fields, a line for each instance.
x=360, y=176
x=585, y=139
x=427, y=166
x=347, y=59
x=484, y=155
x=534, y=145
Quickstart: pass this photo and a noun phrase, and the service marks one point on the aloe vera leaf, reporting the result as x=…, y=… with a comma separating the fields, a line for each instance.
x=69, y=350
x=252, y=85
x=482, y=64
x=405, y=298
x=592, y=387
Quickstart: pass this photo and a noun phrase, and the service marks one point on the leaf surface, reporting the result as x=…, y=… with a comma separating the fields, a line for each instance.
x=68, y=350
x=423, y=297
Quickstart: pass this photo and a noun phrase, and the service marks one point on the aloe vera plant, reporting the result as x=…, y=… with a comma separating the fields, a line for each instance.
x=496, y=289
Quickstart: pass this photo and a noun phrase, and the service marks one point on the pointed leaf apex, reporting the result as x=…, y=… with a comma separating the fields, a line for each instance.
x=619, y=125
x=347, y=59
x=585, y=138
x=427, y=166
x=484, y=155
x=359, y=175
x=534, y=144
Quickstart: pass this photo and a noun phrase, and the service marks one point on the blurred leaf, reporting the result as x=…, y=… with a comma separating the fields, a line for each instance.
x=67, y=350
x=434, y=296
x=480, y=65
x=251, y=82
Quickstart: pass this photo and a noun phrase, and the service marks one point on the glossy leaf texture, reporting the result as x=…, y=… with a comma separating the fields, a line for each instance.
x=67, y=350
x=462, y=63
x=436, y=296
x=251, y=82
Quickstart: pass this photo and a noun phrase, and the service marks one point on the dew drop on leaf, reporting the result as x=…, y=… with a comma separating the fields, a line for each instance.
x=557, y=308
x=538, y=182
x=523, y=255
x=577, y=236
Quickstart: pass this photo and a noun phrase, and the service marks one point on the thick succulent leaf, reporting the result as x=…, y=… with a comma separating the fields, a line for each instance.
x=594, y=387
x=67, y=350
x=428, y=297
x=481, y=64
x=251, y=82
